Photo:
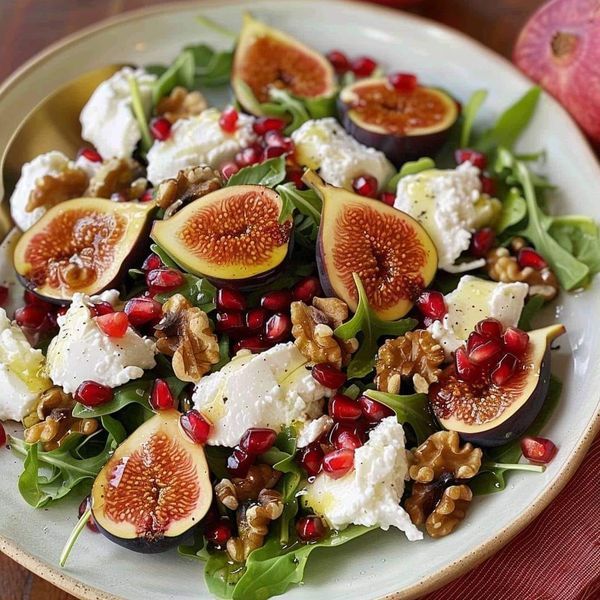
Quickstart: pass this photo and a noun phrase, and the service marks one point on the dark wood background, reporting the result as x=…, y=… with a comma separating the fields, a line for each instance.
x=27, y=26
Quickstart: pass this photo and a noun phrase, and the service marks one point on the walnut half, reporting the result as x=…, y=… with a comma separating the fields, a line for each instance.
x=189, y=184
x=51, y=190
x=180, y=104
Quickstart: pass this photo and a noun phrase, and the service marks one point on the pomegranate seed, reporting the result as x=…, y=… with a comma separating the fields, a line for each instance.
x=264, y=124
x=515, y=340
x=347, y=439
x=328, y=376
x=83, y=508
x=278, y=327
x=365, y=185
x=475, y=339
x=239, y=462
x=465, y=370
x=249, y=156
x=477, y=159
x=403, y=82
x=32, y=316
x=295, y=176
x=164, y=280
x=275, y=139
x=148, y=195
x=273, y=152
x=218, y=532
x=363, y=66
x=388, y=198
x=30, y=298
x=306, y=289
x=102, y=308
x=256, y=318
x=90, y=394
x=343, y=408
x=432, y=304
x=228, y=120
x=482, y=242
x=338, y=462
x=374, y=411
x=230, y=300
x=488, y=185
x=161, y=397
x=538, y=449
x=311, y=528
x=505, y=370
x=489, y=328
x=196, y=426
x=277, y=301
x=152, y=263
x=2, y=435
x=142, y=311
x=311, y=459
x=160, y=129
x=528, y=257
x=258, y=440
x=229, y=321
x=229, y=169
x=114, y=325
x=486, y=352
x=339, y=61
x=62, y=311
x=89, y=154
x=254, y=343
x=3, y=295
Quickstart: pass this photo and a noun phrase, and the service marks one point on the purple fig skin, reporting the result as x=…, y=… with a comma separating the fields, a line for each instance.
x=328, y=290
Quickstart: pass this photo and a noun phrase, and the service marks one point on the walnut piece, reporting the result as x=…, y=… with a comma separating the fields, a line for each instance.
x=231, y=493
x=184, y=333
x=51, y=190
x=415, y=354
x=121, y=178
x=189, y=184
x=180, y=104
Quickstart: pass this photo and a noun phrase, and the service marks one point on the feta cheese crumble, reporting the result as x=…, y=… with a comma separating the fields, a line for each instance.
x=313, y=430
x=473, y=300
x=370, y=494
x=107, y=120
x=325, y=145
x=81, y=351
x=198, y=140
x=271, y=389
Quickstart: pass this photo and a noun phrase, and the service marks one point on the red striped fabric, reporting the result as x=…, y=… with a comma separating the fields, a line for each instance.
x=557, y=557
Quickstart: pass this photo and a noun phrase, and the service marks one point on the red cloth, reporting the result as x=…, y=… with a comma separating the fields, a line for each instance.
x=557, y=557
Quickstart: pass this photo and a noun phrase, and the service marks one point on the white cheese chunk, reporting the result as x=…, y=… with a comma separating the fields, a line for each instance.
x=313, y=430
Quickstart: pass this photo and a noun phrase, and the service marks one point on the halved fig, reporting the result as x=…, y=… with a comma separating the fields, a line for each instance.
x=266, y=57
x=390, y=251
x=403, y=125
x=154, y=489
x=490, y=415
x=231, y=236
x=82, y=245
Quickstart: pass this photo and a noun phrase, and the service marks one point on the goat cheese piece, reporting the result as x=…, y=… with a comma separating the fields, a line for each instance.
x=107, y=120
x=271, y=389
x=198, y=140
x=325, y=145
x=81, y=351
x=472, y=301
x=370, y=494
x=313, y=430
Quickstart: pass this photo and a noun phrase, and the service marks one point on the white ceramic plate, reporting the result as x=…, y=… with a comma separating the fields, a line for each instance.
x=380, y=563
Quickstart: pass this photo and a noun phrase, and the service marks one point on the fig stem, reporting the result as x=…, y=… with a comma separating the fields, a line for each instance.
x=64, y=555
x=515, y=467
x=140, y=115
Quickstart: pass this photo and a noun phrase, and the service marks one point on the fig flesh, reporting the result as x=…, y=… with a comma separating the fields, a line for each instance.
x=266, y=58
x=82, y=245
x=390, y=251
x=231, y=236
x=154, y=489
x=403, y=125
x=489, y=415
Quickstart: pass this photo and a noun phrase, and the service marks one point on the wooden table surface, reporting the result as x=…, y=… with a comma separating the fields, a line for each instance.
x=27, y=26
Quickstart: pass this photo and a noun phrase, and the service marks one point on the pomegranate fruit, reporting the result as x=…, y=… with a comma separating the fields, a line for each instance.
x=343, y=408
x=228, y=120
x=338, y=462
x=142, y=311
x=339, y=61
x=365, y=185
x=306, y=289
x=310, y=529
x=327, y=375
x=91, y=394
x=311, y=459
x=374, y=411
x=3, y=295
x=160, y=129
x=196, y=426
x=161, y=397
x=538, y=449
x=218, y=532
x=257, y=440
x=277, y=301
x=239, y=462
x=230, y=300
x=403, y=82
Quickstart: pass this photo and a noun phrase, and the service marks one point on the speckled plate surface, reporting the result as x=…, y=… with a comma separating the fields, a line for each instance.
x=378, y=564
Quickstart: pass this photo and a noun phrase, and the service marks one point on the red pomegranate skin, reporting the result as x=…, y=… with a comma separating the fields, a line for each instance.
x=559, y=49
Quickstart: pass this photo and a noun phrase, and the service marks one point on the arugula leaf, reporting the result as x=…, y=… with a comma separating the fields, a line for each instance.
x=372, y=328
x=197, y=549
x=140, y=114
x=530, y=310
x=211, y=68
x=164, y=257
x=197, y=290
x=217, y=456
x=268, y=173
x=221, y=574
x=514, y=210
x=470, y=111
x=306, y=202
x=411, y=409
x=412, y=167
x=579, y=236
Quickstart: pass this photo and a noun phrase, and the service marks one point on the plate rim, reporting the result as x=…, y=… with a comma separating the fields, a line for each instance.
x=68, y=583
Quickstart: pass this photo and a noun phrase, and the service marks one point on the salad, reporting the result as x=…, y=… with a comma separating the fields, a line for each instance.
x=249, y=331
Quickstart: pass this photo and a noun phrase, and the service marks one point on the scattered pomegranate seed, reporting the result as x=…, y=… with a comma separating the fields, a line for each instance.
x=229, y=321
x=327, y=375
x=306, y=289
x=2, y=435
x=485, y=352
x=403, y=82
x=89, y=154
x=275, y=139
x=515, y=340
x=295, y=176
x=343, y=408
x=538, y=449
x=264, y=124
x=477, y=159
x=160, y=128
x=148, y=195
x=475, y=339
x=230, y=300
x=346, y=439
x=374, y=411
x=229, y=169
x=339, y=61
x=142, y=311
x=152, y=263
x=196, y=426
x=273, y=152
x=114, y=325
x=482, y=242
x=249, y=156
x=161, y=397
x=164, y=280
x=311, y=459
x=432, y=304
x=32, y=316
x=490, y=328
x=277, y=301
x=338, y=462
x=62, y=310
x=30, y=298
x=465, y=370
x=101, y=308
x=90, y=394
x=528, y=257
x=388, y=198
x=311, y=528
x=488, y=185
x=218, y=532
x=278, y=327
x=83, y=508
x=365, y=185
x=3, y=295
x=256, y=318
x=255, y=343
x=505, y=370
x=228, y=120
x=239, y=462
x=363, y=66
x=258, y=440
